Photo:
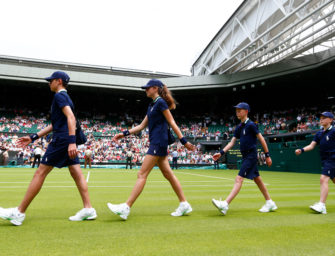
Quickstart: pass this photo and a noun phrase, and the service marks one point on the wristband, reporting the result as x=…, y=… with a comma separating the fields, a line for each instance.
x=126, y=133
x=33, y=137
x=183, y=141
x=72, y=139
x=302, y=150
x=222, y=152
x=267, y=154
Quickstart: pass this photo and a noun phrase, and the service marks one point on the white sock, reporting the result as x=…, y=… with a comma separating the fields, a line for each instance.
x=183, y=203
x=269, y=201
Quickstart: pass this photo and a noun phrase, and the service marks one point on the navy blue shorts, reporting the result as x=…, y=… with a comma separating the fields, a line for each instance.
x=57, y=154
x=157, y=150
x=328, y=168
x=249, y=168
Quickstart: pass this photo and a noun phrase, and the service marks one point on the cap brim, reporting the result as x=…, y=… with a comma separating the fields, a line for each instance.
x=49, y=78
x=326, y=116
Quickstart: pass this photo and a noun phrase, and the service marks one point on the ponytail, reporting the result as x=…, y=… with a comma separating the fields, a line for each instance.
x=167, y=96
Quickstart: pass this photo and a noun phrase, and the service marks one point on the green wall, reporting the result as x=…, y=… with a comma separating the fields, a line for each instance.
x=284, y=158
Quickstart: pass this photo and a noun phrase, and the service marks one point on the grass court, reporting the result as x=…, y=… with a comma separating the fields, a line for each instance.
x=150, y=230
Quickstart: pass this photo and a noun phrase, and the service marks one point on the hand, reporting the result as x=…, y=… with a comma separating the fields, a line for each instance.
x=216, y=156
x=23, y=141
x=298, y=152
x=117, y=137
x=72, y=150
x=190, y=146
x=268, y=161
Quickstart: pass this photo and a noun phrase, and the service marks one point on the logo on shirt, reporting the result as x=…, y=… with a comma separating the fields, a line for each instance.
x=154, y=151
x=243, y=131
x=327, y=138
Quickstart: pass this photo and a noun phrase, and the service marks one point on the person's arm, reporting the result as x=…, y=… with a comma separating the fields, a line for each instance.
x=134, y=130
x=268, y=159
x=169, y=118
x=26, y=140
x=306, y=148
x=225, y=149
x=71, y=123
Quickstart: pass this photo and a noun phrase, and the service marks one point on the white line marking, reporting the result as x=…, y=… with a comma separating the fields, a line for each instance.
x=88, y=177
x=117, y=182
x=1, y=187
x=214, y=177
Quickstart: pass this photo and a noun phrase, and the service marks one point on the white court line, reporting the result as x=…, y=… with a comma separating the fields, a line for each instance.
x=214, y=177
x=117, y=186
x=88, y=176
x=120, y=181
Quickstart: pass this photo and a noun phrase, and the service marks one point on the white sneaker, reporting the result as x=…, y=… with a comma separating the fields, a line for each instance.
x=319, y=208
x=84, y=214
x=13, y=215
x=269, y=206
x=123, y=210
x=183, y=209
x=221, y=205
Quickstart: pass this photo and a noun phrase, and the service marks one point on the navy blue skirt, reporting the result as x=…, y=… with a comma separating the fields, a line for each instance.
x=157, y=150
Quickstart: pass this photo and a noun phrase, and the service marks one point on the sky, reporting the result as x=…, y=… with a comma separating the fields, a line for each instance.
x=161, y=36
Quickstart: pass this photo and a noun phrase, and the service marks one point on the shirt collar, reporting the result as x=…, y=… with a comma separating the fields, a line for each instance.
x=245, y=122
x=156, y=99
x=62, y=90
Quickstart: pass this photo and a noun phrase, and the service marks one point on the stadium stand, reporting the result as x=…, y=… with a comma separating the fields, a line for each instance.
x=17, y=122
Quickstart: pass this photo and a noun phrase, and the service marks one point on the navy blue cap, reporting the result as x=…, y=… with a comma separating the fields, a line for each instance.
x=59, y=75
x=327, y=114
x=153, y=82
x=243, y=105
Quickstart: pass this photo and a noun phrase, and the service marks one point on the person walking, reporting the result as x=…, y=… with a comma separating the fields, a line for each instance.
x=248, y=134
x=61, y=152
x=325, y=138
x=157, y=119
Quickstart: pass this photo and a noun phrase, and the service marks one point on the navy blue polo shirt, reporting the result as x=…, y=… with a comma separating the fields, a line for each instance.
x=326, y=140
x=157, y=123
x=58, y=119
x=247, y=132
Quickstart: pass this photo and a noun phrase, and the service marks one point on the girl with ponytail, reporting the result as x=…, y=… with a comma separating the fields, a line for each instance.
x=157, y=119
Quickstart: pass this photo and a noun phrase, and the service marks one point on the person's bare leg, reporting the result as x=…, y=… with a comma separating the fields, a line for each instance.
x=236, y=189
x=324, y=188
x=148, y=163
x=81, y=183
x=34, y=186
x=165, y=168
x=258, y=180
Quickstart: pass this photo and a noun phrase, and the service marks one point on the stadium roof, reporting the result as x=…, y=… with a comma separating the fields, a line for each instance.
x=262, y=32
x=28, y=70
x=34, y=70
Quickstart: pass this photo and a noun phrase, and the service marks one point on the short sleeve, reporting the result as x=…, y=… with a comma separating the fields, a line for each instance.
x=61, y=100
x=237, y=132
x=317, y=138
x=254, y=128
x=161, y=105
